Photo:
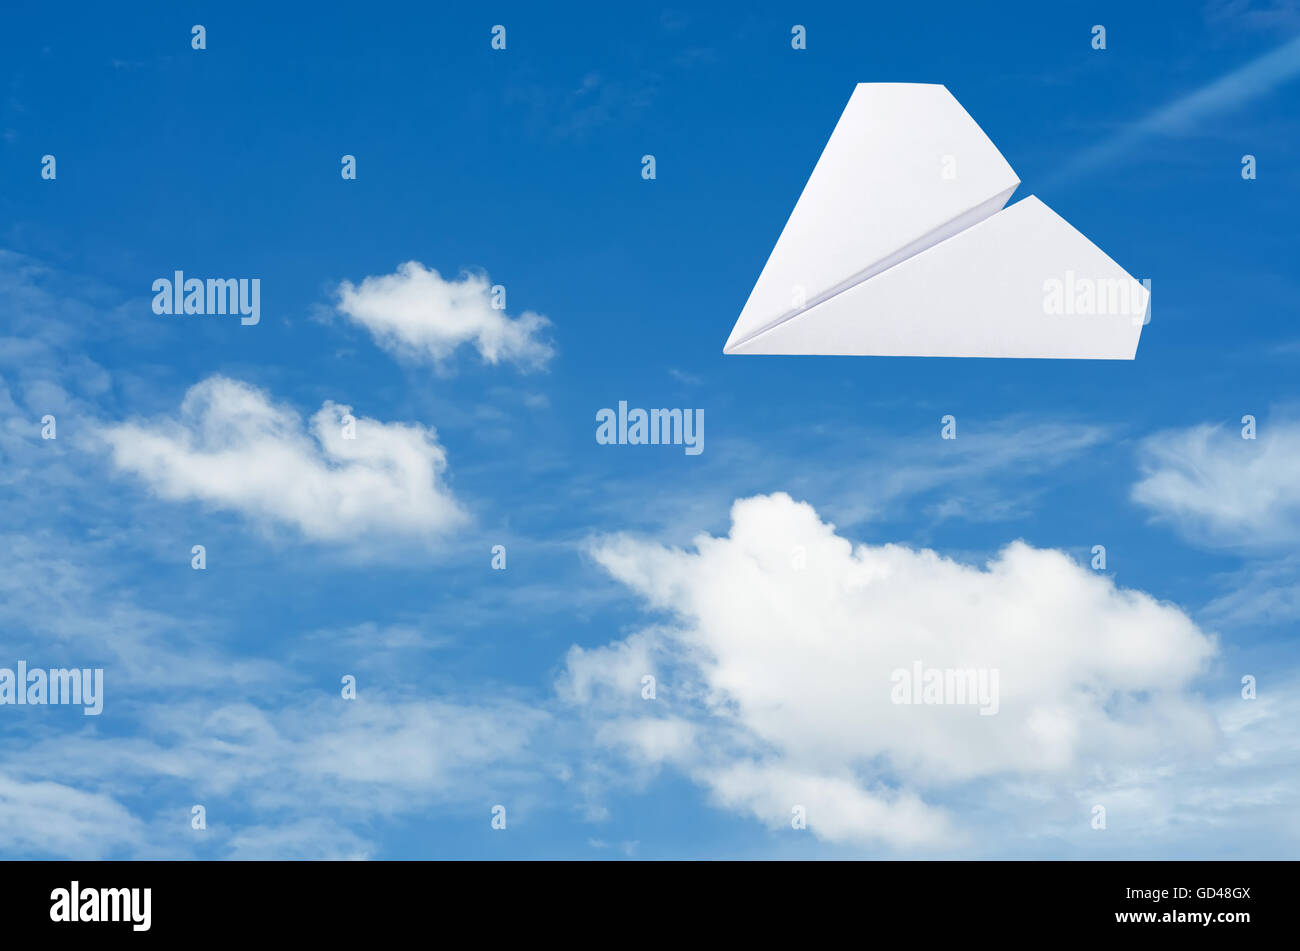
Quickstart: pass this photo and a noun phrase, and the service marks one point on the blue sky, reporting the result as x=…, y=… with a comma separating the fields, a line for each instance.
x=522, y=687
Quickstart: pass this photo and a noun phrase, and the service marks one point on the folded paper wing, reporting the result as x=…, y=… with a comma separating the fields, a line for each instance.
x=900, y=246
x=1022, y=283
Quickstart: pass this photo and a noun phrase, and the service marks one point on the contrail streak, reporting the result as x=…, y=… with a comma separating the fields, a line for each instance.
x=1238, y=87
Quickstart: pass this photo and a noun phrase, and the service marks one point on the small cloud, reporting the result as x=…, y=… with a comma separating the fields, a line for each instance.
x=234, y=449
x=418, y=315
x=1219, y=488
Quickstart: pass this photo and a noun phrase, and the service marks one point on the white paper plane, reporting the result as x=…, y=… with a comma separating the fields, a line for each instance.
x=900, y=246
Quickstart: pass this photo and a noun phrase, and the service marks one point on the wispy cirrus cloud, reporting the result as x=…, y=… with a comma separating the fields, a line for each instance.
x=1220, y=489
x=1185, y=115
x=306, y=768
x=1254, y=14
x=44, y=818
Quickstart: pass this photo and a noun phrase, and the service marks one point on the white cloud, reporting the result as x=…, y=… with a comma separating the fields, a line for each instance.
x=411, y=746
x=84, y=607
x=1240, y=803
x=1263, y=593
x=311, y=840
x=311, y=771
x=50, y=819
x=995, y=471
x=785, y=672
x=234, y=449
x=654, y=739
x=1219, y=488
x=1188, y=114
x=417, y=314
x=836, y=807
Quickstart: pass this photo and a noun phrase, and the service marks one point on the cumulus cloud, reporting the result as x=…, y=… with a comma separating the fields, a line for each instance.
x=417, y=314
x=1221, y=489
x=780, y=650
x=233, y=448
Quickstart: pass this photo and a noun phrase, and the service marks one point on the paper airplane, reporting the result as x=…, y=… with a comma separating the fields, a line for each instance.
x=900, y=246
